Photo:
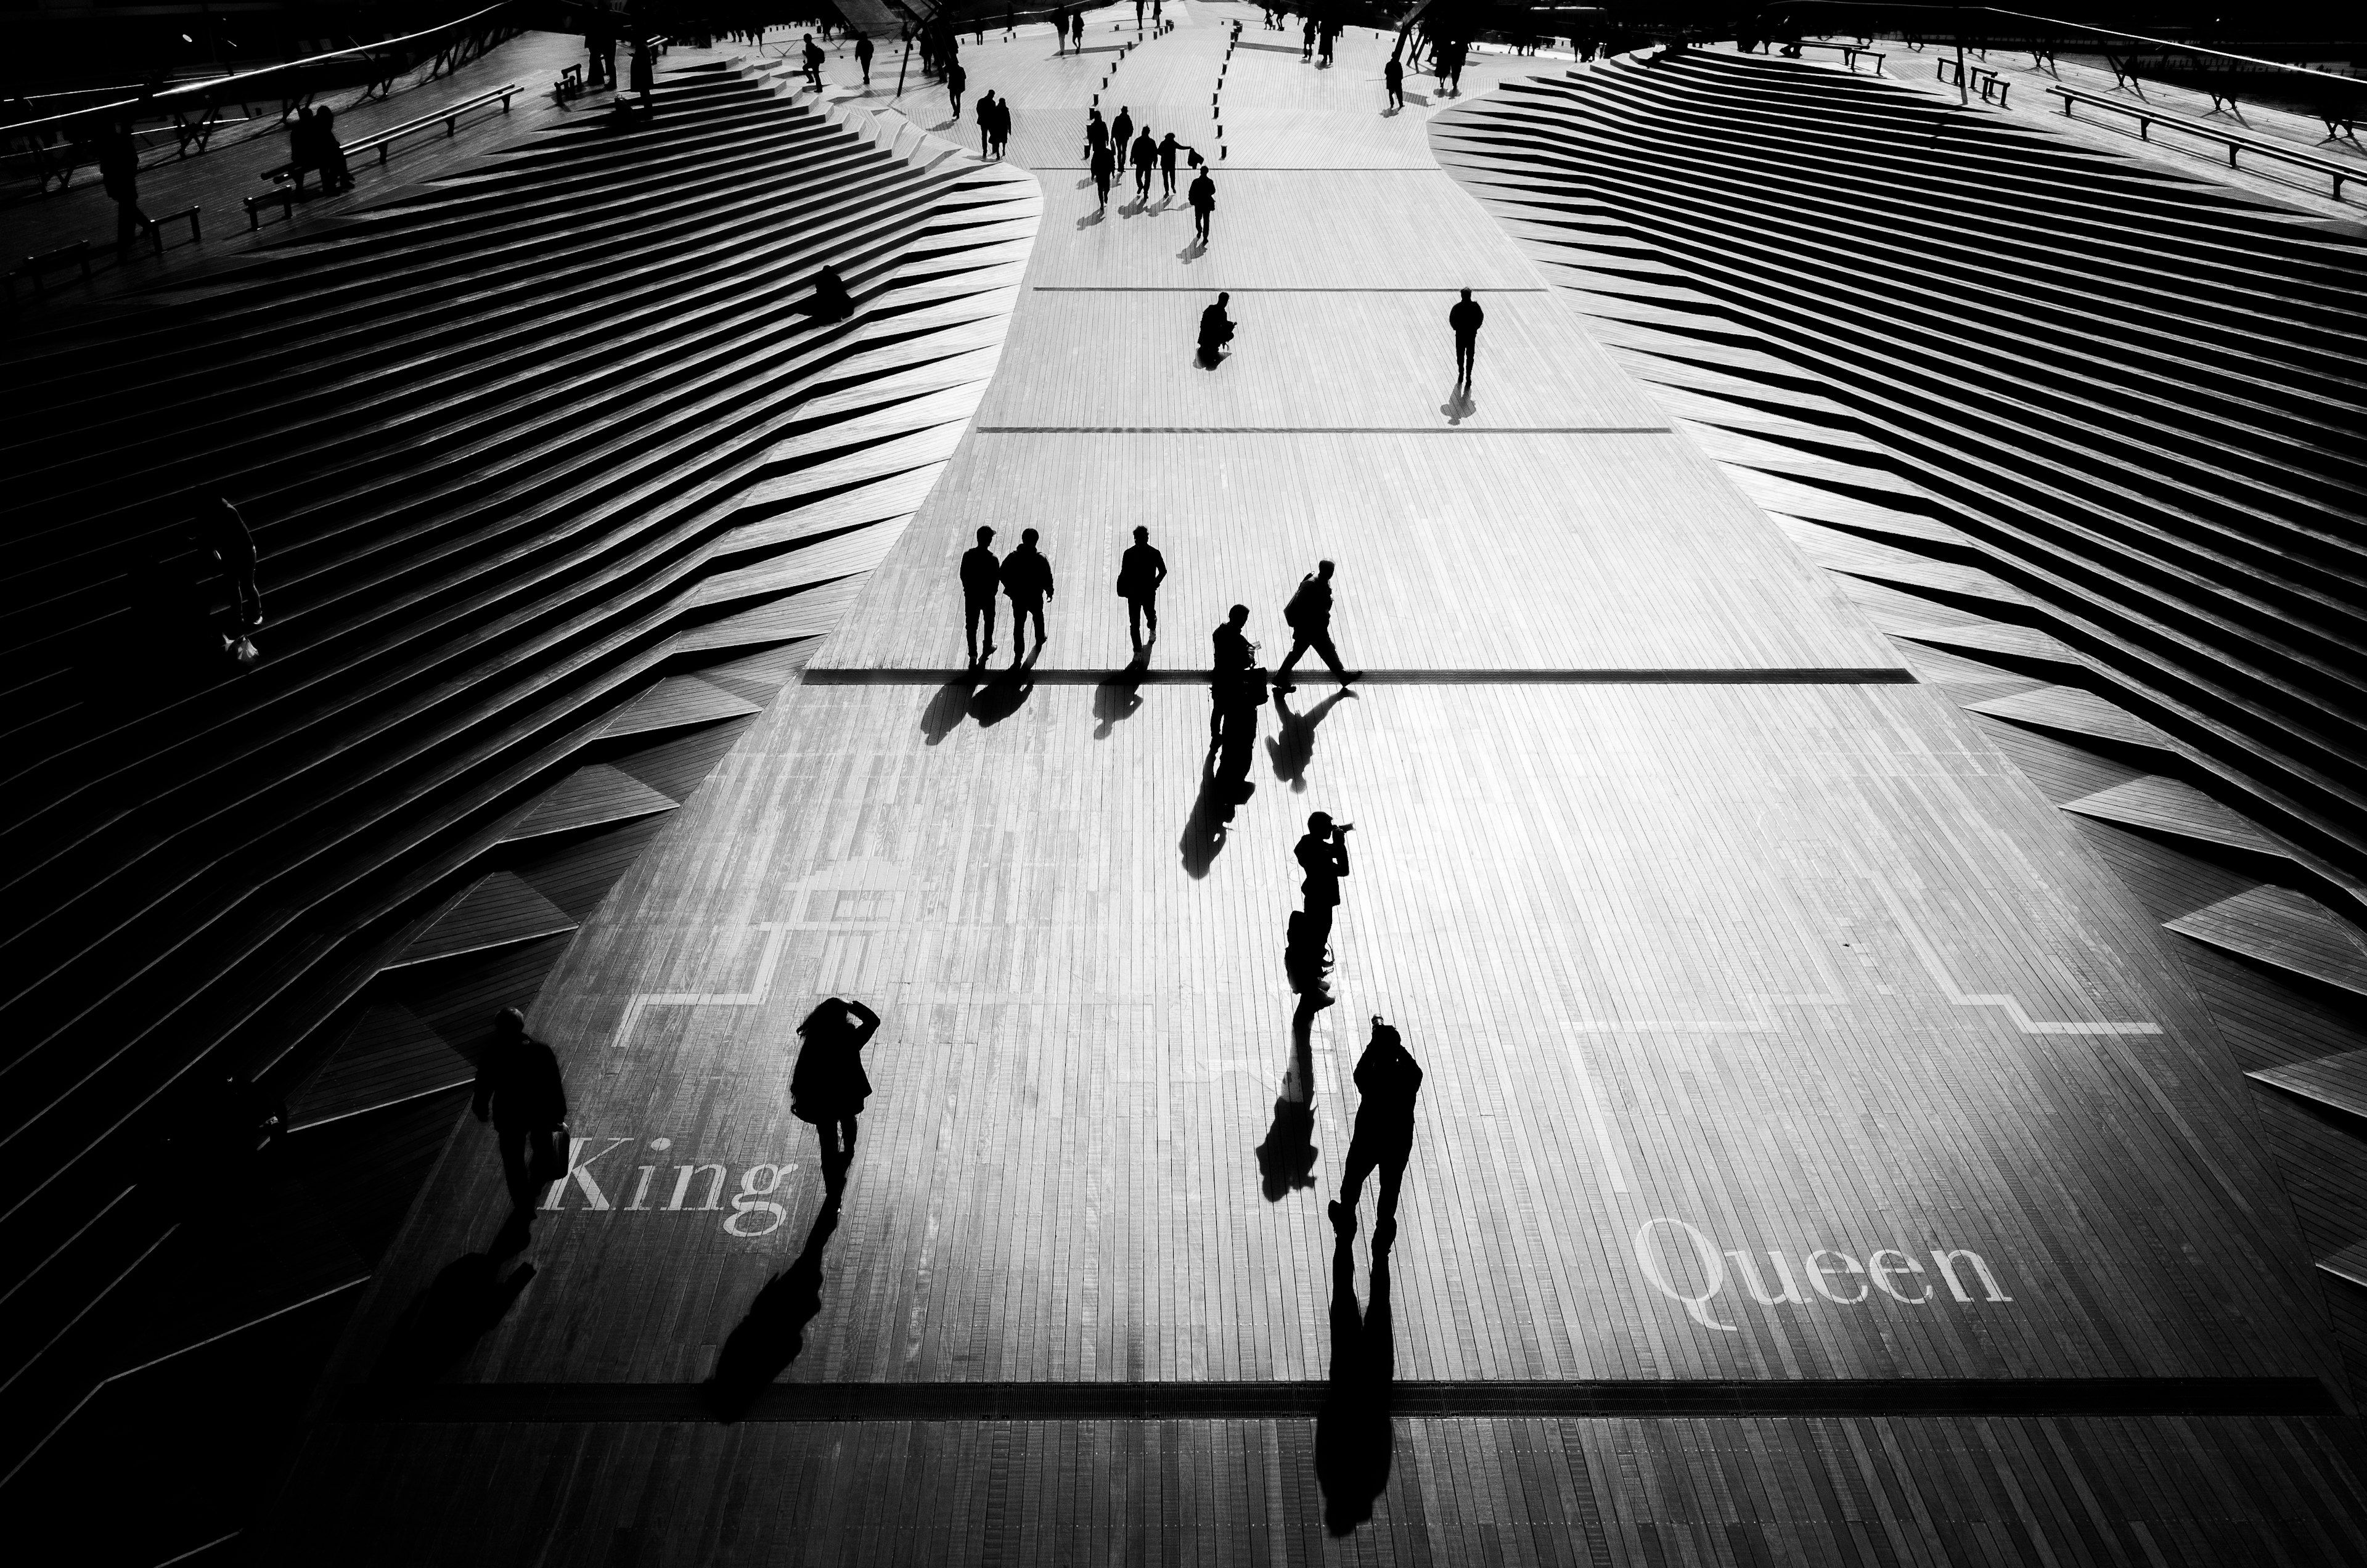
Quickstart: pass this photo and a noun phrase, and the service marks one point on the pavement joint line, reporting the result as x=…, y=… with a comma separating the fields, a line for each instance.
x=1323, y=430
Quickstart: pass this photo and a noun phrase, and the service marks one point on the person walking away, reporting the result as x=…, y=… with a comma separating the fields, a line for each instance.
x=813, y=63
x=1306, y=41
x=1233, y=661
x=1388, y=1080
x=1202, y=195
x=1138, y=15
x=1104, y=170
x=1002, y=126
x=518, y=1084
x=981, y=573
x=1393, y=77
x=956, y=79
x=600, y=49
x=1215, y=330
x=828, y=1086
x=1167, y=167
x=1026, y=582
x=1310, y=616
x=1122, y=130
x=223, y=533
x=1322, y=855
x=119, y=172
x=1466, y=318
x=985, y=123
x=1097, y=133
x=1326, y=33
x=1140, y=570
x=1077, y=30
x=1156, y=21
x=863, y=57
x=1146, y=152
x=1060, y=31
x=645, y=71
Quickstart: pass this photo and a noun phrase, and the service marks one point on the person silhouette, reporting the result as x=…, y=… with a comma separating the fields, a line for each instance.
x=1216, y=332
x=1060, y=31
x=119, y=172
x=1355, y=1442
x=1167, y=150
x=812, y=59
x=1026, y=582
x=1388, y=1080
x=1141, y=571
x=1393, y=78
x=1002, y=133
x=1146, y=153
x=985, y=123
x=1322, y=855
x=1201, y=196
x=1232, y=679
x=1077, y=30
x=1097, y=133
x=1122, y=132
x=519, y=1087
x=830, y=301
x=828, y=1086
x=862, y=58
x=1466, y=319
x=1309, y=615
x=956, y=82
x=1104, y=170
x=981, y=573
x=220, y=531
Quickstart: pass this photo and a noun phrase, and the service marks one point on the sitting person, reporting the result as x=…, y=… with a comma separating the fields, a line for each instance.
x=830, y=301
x=1215, y=330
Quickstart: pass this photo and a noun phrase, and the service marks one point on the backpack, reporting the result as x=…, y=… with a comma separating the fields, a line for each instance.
x=1301, y=606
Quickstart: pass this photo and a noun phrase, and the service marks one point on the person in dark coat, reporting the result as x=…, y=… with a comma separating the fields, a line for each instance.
x=1097, y=133
x=1060, y=31
x=600, y=49
x=1322, y=855
x=1140, y=570
x=1026, y=582
x=1231, y=675
x=1465, y=319
x=518, y=1084
x=1393, y=78
x=1389, y=1079
x=828, y=1086
x=1215, y=330
x=830, y=301
x=862, y=58
x=981, y=573
x=119, y=172
x=985, y=123
x=1122, y=132
x=812, y=58
x=1104, y=170
x=956, y=82
x=327, y=155
x=1168, y=147
x=1002, y=126
x=1202, y=195
x=1146, y=153
x=1309, y=615
x=1076, y=29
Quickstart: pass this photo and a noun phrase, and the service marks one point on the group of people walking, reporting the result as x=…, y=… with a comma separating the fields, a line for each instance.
x=1110, y=143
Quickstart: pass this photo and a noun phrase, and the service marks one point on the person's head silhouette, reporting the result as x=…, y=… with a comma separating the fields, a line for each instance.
x=986, y=536
x=1467, y=294
x=509, y=1024
x=1239, y=615
x=1142, y=535
x=1323, y=569
x=1320, y=824
x=1027, y=539
x=1222, y=301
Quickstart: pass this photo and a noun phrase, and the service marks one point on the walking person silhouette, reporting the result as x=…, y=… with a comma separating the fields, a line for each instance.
x=1104, y=170
x=981, y=573
x=1389, y=1079
x=220, y=530
x=1167, y=150
x=1393, y=78
x=1202, y=195
x=956, y=79
x=1309, y=615
x=1122, y=132
x=828, y=1086
x=1097, y=133
x=1466, y=319
x=1231, y=672
x=811, y=58
x=985, y=123
x=1026, y=582
x=1146, y=153
x=1140, y=570
x=118, y=171
x=518, y=1087
x=862, y=58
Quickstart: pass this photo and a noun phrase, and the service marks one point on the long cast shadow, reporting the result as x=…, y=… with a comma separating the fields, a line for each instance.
x=1286, y=1158
x=1005, y=690
x=1293, y=746
x=1354, y=1440
x=440, y=1327
x=1223, y=786
x=761, y=1348
x=947, y=708
x=1117, y=697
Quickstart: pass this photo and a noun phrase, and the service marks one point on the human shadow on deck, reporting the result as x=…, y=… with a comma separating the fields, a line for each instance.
x=1354, y=1440
x=1293, y=746
x=772, y=1334
x=1458, y=405
x=1286, y=1158
x=988, y=697
x=440, y=1327
x=1117, y=697
x=1223, y=786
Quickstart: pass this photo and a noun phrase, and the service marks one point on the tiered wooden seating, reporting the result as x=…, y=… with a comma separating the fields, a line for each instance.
x=512, y=452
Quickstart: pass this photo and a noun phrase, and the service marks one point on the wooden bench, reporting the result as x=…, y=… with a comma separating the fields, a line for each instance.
x=37, y=268
x=285, y=196
x=1848, y=52
x=569, y=86
x=2148, y=118
x=448, y=116
x=156, y=227
x=1991, y=87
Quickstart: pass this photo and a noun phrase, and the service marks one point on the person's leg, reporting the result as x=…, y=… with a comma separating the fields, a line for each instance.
x=1150, y=613
x=1392, y=1166
x=1037, y=610
x=1321, y=643
x=511, y=1141
x=1298, y=646
x=1360, y=1165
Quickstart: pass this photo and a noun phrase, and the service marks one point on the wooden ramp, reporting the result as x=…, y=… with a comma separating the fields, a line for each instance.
x=1821, y=1157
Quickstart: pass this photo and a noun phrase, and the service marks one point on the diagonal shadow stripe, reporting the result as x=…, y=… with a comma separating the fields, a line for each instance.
x=1683, y=1400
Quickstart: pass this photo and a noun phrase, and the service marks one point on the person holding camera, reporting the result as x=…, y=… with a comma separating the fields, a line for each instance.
x=1323, y=856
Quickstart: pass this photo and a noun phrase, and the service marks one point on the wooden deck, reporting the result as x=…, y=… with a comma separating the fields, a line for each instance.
x=1777, y=1029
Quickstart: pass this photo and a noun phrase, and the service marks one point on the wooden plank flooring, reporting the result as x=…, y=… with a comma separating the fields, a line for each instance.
x=1775, y=1030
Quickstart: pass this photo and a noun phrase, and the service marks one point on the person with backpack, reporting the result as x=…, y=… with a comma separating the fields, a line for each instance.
x=1026, y=582
x=812, y=59
x=1309, y=615
x=1140, y=572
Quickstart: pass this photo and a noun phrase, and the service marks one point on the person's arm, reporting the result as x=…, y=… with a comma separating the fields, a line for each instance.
x=488, y=1079
x=1340, y=852
x=1047, y=575
x=866, y=1022
x=1159, y=562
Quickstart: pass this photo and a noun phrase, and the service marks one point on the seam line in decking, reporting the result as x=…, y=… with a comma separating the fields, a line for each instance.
x=907, y=676
x=1485, y=1399
x=1322, y=430
x=1249, y=288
